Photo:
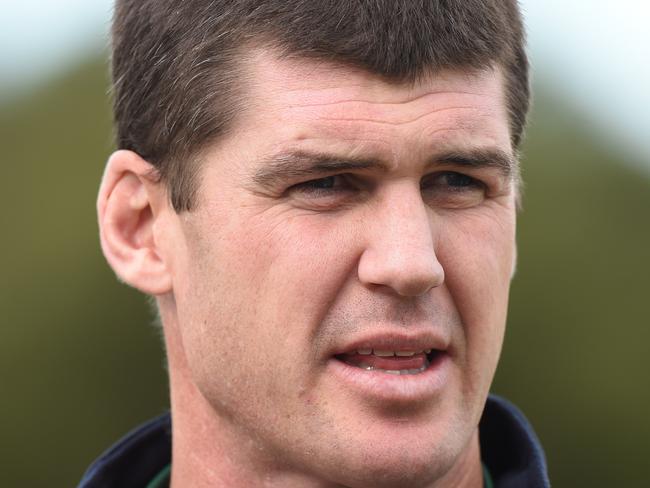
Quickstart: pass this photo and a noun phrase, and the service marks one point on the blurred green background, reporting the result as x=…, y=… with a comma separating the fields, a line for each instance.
x=81, y=362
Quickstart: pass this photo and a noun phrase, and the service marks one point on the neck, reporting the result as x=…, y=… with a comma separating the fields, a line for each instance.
x=207, y=449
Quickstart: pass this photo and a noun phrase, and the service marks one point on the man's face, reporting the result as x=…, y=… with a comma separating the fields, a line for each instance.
x=346, y=219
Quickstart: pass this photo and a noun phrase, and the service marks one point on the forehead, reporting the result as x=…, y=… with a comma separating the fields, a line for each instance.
x=339, y=101
x=318, y=82
x=305, y=104
x=321, y=81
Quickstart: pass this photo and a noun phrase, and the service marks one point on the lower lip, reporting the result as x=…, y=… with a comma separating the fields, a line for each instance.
x=387, y=387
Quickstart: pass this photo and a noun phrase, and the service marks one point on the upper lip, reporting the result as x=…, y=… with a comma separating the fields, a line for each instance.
x=395, y=340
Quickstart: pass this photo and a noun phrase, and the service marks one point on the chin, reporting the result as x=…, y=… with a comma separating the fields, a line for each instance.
x=392, y=469
x=391, y=461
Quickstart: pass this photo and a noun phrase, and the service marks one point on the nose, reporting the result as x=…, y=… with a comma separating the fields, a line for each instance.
x=400, y=251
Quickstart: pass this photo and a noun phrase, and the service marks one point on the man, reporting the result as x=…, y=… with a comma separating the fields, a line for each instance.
x=321, y=197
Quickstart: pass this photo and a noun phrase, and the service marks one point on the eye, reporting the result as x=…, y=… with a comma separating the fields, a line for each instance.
x=322, y=186
x=327, y=193
x=458, y=180
x=450, y=189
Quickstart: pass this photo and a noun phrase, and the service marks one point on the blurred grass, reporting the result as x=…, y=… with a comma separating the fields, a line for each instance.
x=80, y=362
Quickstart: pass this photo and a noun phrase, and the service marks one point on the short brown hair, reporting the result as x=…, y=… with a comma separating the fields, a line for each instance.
x=175, y=63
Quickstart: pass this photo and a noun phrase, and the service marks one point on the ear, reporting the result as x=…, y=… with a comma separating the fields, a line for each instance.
x=129, y=203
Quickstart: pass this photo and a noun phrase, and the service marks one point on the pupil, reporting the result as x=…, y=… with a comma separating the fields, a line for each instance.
x=457, y=179
x=324, y=183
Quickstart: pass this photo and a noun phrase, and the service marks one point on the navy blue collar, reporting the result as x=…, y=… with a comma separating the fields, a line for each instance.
x=509, y=448
x=135, y=460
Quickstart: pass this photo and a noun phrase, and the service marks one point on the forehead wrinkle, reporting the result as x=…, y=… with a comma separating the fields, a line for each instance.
x=383, y=107
x=396, y=123
x=480, y=124
x=380, y=114
x=326, y=99
x=354, y=137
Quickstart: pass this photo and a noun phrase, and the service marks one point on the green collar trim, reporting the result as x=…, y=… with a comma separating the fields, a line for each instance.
x=487, y=478
x=162, y=479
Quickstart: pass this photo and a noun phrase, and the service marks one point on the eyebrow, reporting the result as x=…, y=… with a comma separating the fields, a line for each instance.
x=480, y=158
x=295, y=165
x=303, y=164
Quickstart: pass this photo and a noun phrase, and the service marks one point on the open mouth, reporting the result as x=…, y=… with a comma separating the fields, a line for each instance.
x=391, y=362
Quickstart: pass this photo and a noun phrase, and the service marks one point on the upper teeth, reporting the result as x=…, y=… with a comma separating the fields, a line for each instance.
x=381, y=353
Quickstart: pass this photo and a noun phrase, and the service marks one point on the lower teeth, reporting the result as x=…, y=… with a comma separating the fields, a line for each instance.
x=395, y=371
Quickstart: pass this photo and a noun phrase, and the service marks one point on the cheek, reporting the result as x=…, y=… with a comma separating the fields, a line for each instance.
x=261, y=288
x=479, y=245
x=306, y=263
x=477, y=252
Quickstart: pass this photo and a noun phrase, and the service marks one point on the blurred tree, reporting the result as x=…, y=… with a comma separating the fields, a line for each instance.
x=574, y=357
x=79, y=363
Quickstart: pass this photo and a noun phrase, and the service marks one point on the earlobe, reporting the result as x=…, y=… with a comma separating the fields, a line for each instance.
x=128, y=207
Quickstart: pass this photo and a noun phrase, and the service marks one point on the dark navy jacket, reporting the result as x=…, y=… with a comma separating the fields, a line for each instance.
x=509, y=448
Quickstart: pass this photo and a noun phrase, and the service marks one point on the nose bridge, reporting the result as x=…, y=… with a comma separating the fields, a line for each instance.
x=407, y=220
x=400, y=252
